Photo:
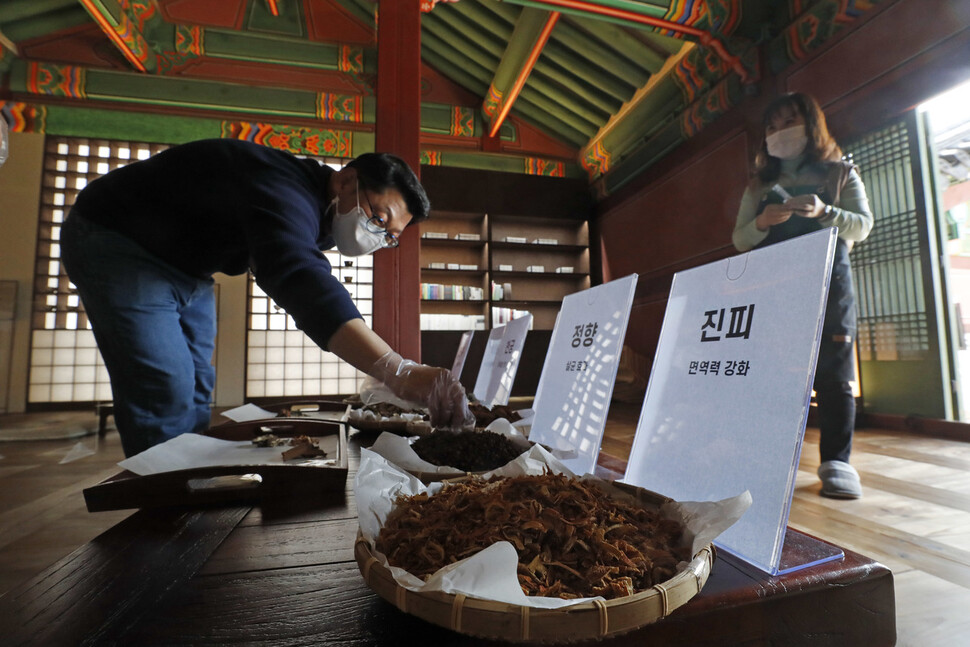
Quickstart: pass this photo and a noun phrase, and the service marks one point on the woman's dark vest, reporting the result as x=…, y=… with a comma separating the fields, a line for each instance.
x=840, y=310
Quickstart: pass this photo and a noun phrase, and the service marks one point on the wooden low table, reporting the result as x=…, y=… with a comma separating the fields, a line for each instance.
x=284, y=573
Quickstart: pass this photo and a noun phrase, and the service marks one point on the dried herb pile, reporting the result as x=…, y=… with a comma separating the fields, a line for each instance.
x=470, y=451
x=573, y=539
x=485, y=416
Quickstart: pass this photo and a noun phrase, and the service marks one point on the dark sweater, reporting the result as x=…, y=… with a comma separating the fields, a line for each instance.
x=229, y=206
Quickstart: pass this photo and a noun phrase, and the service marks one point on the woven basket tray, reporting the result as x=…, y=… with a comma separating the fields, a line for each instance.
x=500, y=620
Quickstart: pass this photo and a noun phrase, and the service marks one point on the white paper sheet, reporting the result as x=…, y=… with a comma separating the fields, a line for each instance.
x=189, y=451
x=248, y=412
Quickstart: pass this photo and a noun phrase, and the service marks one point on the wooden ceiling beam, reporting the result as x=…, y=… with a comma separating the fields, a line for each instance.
x=450, y=25
x=523, y=33
x=14, y=10
x=16, y=30
x=123, y=32
x=622, y=44
x=602, y=56
x=637, y=13
x=479, y=15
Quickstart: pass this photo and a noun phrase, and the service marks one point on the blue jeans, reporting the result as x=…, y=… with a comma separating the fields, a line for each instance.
x=155, y=327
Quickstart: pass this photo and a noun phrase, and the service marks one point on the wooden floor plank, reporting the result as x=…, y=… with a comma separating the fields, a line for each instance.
x=930, y=611
x=877, y=540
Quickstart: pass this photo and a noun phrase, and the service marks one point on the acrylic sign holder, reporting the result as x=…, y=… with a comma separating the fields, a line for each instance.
x=576, y=384
x=730, y=388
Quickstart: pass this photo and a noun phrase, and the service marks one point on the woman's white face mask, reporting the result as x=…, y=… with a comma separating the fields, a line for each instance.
x=788, y=143
x=349, y=231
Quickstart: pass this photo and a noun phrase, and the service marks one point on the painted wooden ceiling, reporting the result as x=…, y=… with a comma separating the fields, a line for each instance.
x=605, y=87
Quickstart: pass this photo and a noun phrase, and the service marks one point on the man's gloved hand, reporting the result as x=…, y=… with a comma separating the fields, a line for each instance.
x=435, y=388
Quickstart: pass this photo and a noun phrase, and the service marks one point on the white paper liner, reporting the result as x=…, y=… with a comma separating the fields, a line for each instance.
x=247, y=413
x=397, y=449
x=491, y=573
x=189, y=451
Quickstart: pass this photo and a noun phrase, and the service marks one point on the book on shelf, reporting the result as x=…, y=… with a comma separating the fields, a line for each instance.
x=434, y=321
x=515, y=239
x=501, y=291
x=464, y=236
x=506, y=268
x=546, y=241
x=454, y=266
x=436, y=266
x=564, y=270
x=439, y=292
x=469, y=267
x=536, y=268
x=437, y=235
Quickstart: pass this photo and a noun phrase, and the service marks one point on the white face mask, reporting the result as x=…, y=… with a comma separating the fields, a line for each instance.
x=788, y=143
x=349, y=231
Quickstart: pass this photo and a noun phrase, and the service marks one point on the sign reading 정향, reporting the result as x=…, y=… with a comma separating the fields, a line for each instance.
x=576, y=384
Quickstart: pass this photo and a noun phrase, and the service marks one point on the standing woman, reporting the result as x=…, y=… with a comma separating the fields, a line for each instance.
x=818, y=190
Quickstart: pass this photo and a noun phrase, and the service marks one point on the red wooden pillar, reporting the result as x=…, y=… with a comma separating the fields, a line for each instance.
x=397, y=274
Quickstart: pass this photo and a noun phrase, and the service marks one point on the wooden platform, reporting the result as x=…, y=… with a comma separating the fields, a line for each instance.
x=914, y=517
x=283, y=573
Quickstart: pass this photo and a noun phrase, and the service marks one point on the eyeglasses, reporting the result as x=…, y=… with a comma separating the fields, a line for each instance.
x=376, y=225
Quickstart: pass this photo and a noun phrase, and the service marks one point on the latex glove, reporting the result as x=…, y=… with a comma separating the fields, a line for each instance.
x=433, y=387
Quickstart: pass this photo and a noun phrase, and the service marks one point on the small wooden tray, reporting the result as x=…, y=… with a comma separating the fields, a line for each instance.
x=221, y=484
x=585, y=621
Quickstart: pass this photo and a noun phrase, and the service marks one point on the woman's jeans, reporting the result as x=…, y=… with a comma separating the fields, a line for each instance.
x=155, y=327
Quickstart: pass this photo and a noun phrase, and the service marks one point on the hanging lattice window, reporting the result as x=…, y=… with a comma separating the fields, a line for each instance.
x=889, y=280
x=281, y=361
x=65, y=365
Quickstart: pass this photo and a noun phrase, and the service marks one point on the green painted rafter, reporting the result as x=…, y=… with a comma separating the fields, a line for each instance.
x=124, y=32
x=45, y=79
x=515, y=63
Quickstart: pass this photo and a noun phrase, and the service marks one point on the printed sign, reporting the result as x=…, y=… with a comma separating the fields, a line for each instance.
x=487, y=367
x=729, y=391
x=577, y=379
x=501, y=361
x=462, y=354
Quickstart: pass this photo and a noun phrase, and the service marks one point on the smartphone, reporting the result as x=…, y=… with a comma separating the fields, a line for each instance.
x=785, y=195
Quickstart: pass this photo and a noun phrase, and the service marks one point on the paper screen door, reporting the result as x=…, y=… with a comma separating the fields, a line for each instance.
x=729, y=391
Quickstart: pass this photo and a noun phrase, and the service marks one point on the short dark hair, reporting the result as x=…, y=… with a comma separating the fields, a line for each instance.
x=381, y=171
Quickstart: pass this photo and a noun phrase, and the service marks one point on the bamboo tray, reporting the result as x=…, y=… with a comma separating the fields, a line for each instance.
x=516, y=623
x=222, y=484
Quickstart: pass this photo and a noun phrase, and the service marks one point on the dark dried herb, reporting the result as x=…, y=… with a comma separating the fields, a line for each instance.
x=485, y=416
x=470, y=451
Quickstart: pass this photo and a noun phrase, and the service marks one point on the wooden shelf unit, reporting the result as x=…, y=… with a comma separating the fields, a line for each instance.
x=539, y=292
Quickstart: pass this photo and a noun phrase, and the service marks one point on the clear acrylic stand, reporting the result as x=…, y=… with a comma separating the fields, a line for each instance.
x=730, y=388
